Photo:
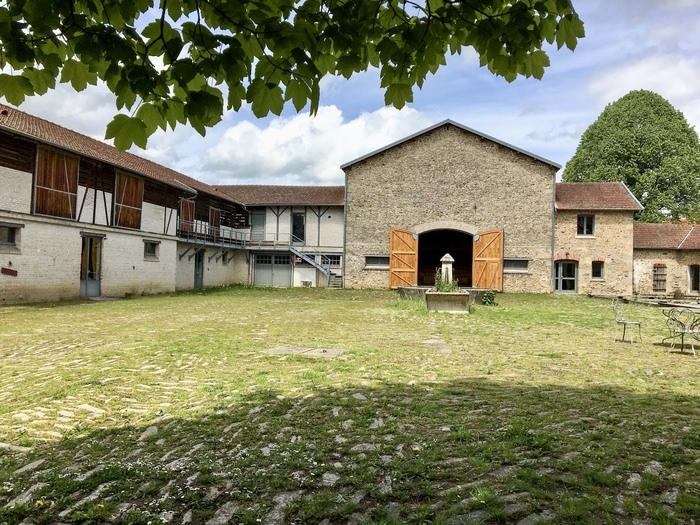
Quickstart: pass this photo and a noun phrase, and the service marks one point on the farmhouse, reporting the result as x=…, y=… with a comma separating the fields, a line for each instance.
x=296, y=233
x=79, y=218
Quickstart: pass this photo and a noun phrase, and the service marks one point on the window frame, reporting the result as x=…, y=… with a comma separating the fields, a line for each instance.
x=331, y=259
x=376, y=264
x=523, y=267
x=12, y=245
x=584, y=223
x=601, y=276
x=147, y=255
x=694, y=278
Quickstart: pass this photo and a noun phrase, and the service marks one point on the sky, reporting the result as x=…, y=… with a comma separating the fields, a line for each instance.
x=629, y=45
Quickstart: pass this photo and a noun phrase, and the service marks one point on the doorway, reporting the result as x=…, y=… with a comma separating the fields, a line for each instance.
x=199, y=270
x=91, y=267
x=433, y=245
x=565, y=276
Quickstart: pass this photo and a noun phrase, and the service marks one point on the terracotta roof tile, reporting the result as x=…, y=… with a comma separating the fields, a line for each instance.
x=21, y=123
x=674, y=236
x=259, y=195
x=595, y=196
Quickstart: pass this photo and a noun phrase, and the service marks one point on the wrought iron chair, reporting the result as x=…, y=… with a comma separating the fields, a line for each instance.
x=682, y=322
x=623, y=321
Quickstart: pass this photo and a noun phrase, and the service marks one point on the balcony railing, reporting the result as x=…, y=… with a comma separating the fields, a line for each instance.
x=202, y=232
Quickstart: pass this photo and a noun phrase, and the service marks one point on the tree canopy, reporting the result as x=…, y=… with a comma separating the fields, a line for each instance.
x=183, y=61
x=643, y=141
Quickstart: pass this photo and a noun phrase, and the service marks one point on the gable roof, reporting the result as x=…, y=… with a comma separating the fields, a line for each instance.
x=613, y=196
x=667, y=235
x=449, y=122
x=28, y=126
x=259, y=195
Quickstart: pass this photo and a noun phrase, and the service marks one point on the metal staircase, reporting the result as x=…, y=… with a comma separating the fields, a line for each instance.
x=335, y=280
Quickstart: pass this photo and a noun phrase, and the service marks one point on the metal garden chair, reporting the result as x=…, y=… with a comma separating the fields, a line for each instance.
x=623, y=321
x=682, y=322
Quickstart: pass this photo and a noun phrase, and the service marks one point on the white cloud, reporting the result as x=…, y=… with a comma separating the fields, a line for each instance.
x=674, y=77
x=304, y=149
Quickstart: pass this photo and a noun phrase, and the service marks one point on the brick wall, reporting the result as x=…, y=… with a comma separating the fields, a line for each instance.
x=47, y=262
x=16, y=190
x=448, y=174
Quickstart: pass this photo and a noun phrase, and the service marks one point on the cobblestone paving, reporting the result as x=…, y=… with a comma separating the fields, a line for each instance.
x=209, y=466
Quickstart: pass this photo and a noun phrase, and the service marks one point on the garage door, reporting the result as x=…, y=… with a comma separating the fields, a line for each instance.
x=273, y=269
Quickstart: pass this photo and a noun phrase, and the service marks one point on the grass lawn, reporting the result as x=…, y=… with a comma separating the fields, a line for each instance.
x=273, y=406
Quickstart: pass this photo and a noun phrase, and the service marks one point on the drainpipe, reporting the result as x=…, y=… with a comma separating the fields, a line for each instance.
x=553, y=220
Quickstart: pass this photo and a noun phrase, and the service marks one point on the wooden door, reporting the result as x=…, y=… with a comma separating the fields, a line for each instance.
x=487, y=270
x=403, y=258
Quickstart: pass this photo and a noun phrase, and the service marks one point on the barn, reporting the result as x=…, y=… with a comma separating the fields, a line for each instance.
x=450, y=189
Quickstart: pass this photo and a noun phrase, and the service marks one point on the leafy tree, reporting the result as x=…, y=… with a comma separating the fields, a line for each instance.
x=643, y=141
x=181, y=61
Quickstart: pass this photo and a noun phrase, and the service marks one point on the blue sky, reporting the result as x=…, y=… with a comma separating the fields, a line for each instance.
x=629, y=45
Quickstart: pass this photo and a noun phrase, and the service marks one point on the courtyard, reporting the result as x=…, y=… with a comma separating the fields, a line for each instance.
x=248, y=405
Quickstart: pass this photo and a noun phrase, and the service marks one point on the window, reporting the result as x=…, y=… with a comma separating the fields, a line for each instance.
x=56, y=184
x=515, y=265
x=263, y=259
x=659, y=278
x=150, y=250
x=330, y=260
x=128, y=198
x=377, y=261
x=598, y=270
x=283, y=259
x=9, y=236
x=694, y=277
x=584, y=225
x=298, y=227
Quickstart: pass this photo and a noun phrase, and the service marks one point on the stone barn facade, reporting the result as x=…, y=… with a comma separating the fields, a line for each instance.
x=450, y=189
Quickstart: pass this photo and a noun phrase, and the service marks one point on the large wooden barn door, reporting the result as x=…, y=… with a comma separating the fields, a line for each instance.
x=487, y=270
x=403, y=258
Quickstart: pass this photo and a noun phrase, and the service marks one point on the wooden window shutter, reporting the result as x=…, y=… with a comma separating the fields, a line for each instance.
x=186, y=215
x=214, y=221
x=56, y=184
x=128, y=201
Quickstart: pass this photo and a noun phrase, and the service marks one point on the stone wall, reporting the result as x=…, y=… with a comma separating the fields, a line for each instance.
x=677, y=270
x=449, y=174
x=611, y=243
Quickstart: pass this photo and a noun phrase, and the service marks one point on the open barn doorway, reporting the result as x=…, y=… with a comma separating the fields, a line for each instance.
x=432, y=245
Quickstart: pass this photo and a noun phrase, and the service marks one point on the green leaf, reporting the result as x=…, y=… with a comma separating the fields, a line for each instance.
x=151, y=117
x=298, y=92
x=41, y=80
x=126, y=131
x=78, y=74
x=15, y=88
x=398, y=94
x=265, y=98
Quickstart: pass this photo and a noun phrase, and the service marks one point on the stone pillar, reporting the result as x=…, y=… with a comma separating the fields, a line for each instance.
x=447, y=261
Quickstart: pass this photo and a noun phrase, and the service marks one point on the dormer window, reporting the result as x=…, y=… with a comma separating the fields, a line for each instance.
x=585, y=225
